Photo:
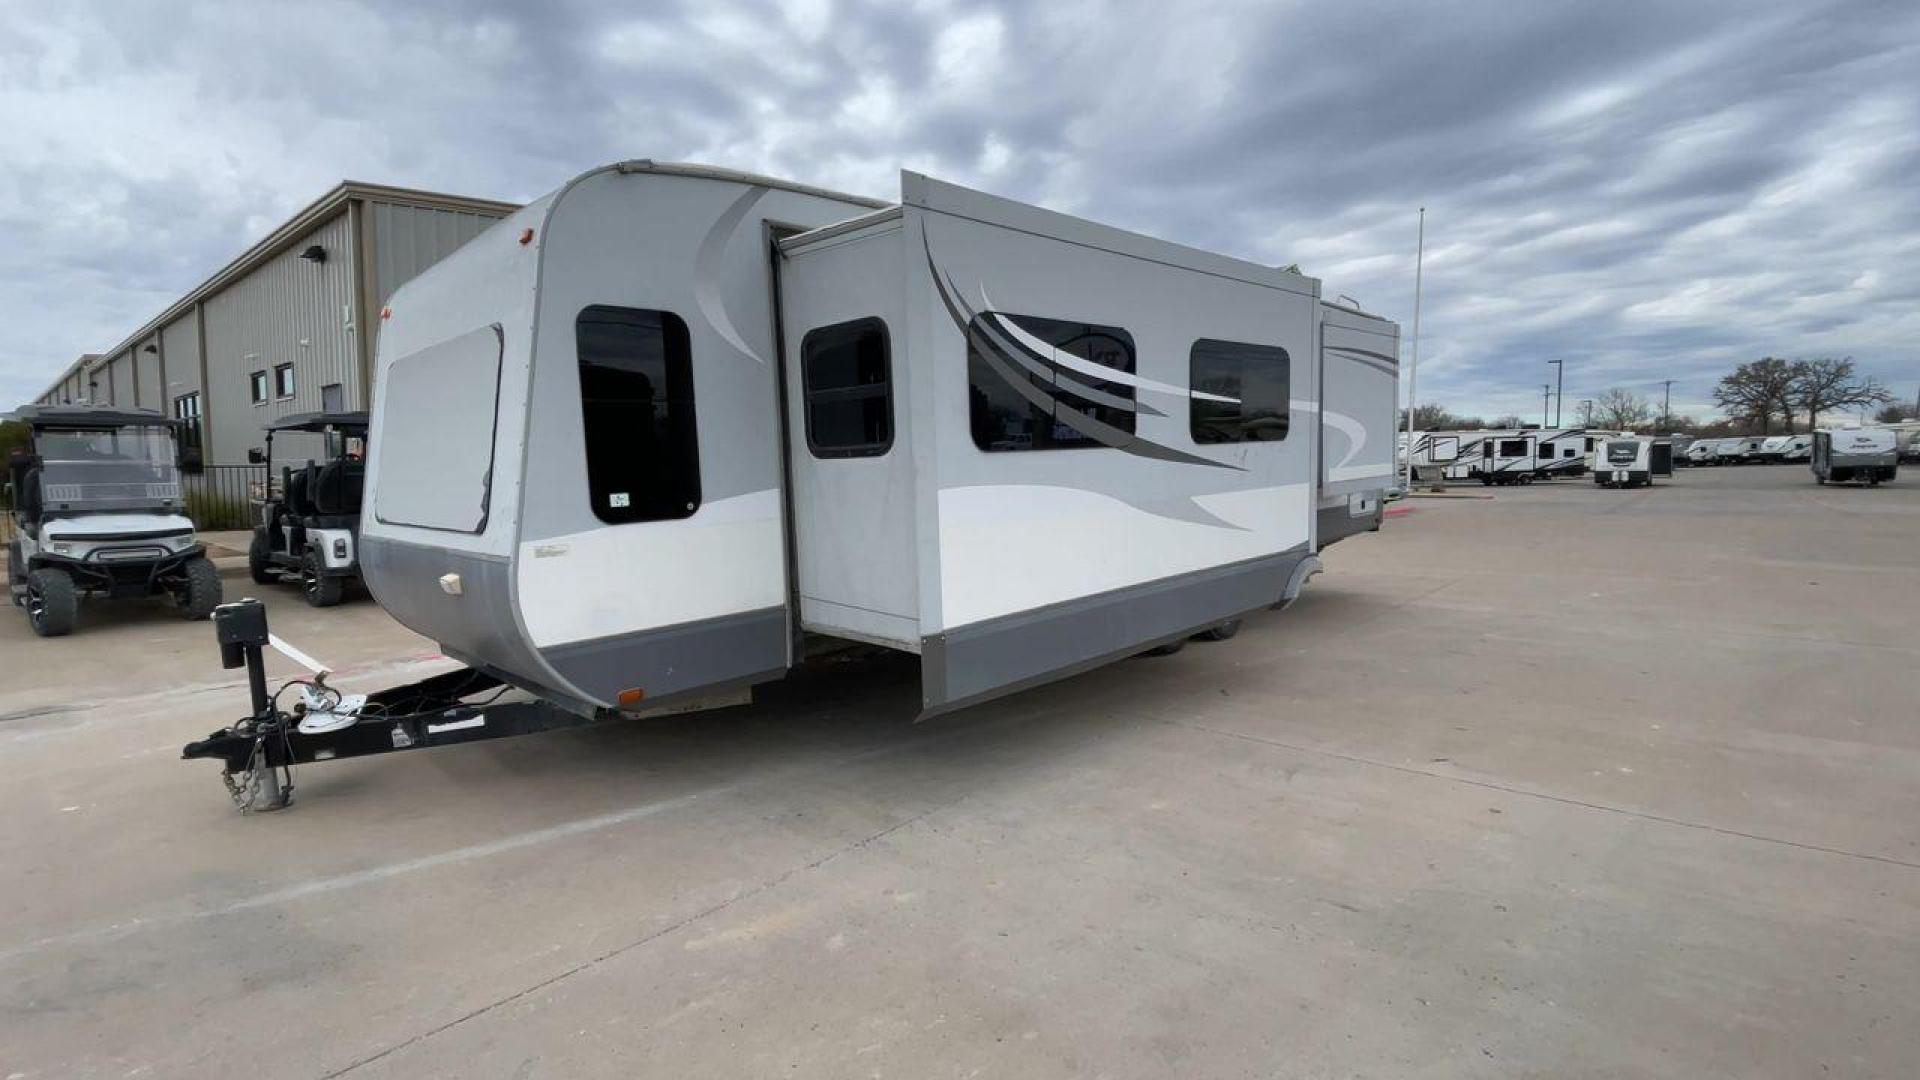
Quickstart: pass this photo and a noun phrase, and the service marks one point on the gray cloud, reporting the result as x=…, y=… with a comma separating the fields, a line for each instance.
x=1649, y=190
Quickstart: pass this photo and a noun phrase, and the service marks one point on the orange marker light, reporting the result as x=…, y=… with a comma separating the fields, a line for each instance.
x=630, y=697
x=386, y=313
x=526, y=235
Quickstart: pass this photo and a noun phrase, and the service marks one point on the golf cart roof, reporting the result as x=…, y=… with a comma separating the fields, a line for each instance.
x=319, y=421
x=89, y=416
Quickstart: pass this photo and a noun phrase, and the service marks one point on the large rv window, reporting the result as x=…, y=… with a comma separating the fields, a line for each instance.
x=845, y=370
x=1029, y=387
x=1255, y=376
x=1513, y=448
x=436, y=434
x=636, y=405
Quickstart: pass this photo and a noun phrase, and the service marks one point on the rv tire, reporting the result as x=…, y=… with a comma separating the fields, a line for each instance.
x=52, y=604
x=199, y=594
x=1221, y=632
x=1168, y=649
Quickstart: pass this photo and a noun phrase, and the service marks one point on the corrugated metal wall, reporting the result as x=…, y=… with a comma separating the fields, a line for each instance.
x=408, y=239
x=290, y=310
x=146, y=376
x=181, y=341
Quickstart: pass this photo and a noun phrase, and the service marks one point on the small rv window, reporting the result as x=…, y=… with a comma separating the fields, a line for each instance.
x=1570, y=452
x=1029, y=387
x=636, y=407
x=845, y=371
x=1255, y=376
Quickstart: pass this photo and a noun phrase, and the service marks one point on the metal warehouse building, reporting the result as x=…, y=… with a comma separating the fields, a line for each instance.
x=288, y=326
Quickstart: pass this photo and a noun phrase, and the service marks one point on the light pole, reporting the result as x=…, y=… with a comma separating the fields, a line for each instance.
x=1546, y=402
x=1666, y=402
x=1413, y=365
x=1586, y=404
x=1559, y=388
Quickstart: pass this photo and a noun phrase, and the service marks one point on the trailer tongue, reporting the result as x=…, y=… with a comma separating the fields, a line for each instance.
x=260, y=751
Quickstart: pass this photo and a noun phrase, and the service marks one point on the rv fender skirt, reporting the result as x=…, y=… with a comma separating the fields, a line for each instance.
x=1304, y=569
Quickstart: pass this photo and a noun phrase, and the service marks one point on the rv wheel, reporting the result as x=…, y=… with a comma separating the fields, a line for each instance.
x=1168, y=649
x=317, y=588
x=1219, y=633
x=259, y=552
x=52, y=604
x=200, y=593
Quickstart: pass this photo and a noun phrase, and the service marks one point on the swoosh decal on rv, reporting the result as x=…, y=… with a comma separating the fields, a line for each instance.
x=1080, y=365
x=1354, y=430
x=706, y=272
x=1009, y=369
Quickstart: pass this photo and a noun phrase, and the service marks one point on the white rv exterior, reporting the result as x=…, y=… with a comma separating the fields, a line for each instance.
x=1628, y=461
x=634, y=442
x=1855, y=455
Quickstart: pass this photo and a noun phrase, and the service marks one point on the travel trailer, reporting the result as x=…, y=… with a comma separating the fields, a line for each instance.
x=1702, y=451
x=1796, y=448
x=1629, y=461
x=1772, y=449
x=664, y=432
x=1855, y=455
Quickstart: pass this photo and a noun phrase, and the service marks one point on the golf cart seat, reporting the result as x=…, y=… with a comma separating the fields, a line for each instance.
x=298, y=485
x=337, y=488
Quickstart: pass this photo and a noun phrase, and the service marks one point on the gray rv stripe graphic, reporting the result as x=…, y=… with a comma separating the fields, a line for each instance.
x=1010, y=369
x=1380, y=362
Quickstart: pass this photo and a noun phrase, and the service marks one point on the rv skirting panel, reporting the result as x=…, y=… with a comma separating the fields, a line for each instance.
x=1338, y=523
x=673, y=660
x=975, y=663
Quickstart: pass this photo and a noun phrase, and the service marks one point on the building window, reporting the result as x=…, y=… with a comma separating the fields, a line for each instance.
x=1247, y=388
x=1034, y=383
x=186, y=408
x=637, y=412
x=258, y=382
x=333, y=398
x=283, y=381
x=845, y=371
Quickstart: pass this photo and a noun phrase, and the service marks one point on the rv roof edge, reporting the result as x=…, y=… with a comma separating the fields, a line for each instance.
x=716, y=172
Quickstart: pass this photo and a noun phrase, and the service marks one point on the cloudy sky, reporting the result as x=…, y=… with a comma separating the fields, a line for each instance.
x=1649, y=190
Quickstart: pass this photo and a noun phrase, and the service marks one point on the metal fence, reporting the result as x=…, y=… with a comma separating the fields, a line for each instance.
x=222, y=496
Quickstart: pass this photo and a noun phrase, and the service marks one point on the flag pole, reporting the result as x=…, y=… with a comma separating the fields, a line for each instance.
x=1413, y=366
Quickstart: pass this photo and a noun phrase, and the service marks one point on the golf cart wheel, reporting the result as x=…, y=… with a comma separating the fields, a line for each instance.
x=317, y=588
x=200, y=594
x=52, y=603
x=1219, y=633
x=259, y=551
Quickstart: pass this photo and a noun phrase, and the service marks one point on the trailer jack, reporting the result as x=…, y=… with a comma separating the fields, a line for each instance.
x=260, y=751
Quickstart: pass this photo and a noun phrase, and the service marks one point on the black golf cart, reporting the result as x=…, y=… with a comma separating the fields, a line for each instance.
x=308, y=527
x=98, y=512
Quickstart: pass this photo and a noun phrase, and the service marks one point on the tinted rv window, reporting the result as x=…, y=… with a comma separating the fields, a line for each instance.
x=845, y=372
x=636, y=406
x=1254, y=376
x=1029, y=387
x=1513, y=448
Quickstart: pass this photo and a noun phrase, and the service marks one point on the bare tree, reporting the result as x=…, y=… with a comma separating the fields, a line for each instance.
x=1508, y=421
x=1891, y=414
x=1758, y=391
x=1829, y=383
x=1431, y=417
x=1621, y=410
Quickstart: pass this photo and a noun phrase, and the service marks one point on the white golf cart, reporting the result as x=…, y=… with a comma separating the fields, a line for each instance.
x=98, y=510
x=309, y=527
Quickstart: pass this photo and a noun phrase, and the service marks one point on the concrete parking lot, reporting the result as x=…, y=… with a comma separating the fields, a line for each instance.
x=1566, y=782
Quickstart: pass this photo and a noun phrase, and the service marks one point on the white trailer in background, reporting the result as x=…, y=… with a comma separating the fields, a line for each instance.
x=1855, y=455
x=641, y=443
x=1629, y=461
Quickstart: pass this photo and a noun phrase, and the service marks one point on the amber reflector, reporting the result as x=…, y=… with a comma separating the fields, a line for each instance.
x=526, y=235
x=630, y=697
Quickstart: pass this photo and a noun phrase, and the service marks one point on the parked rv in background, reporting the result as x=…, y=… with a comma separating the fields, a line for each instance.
x=1771, y=448
x=654, y=437
x=1855, y=455
x=1626, y=461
